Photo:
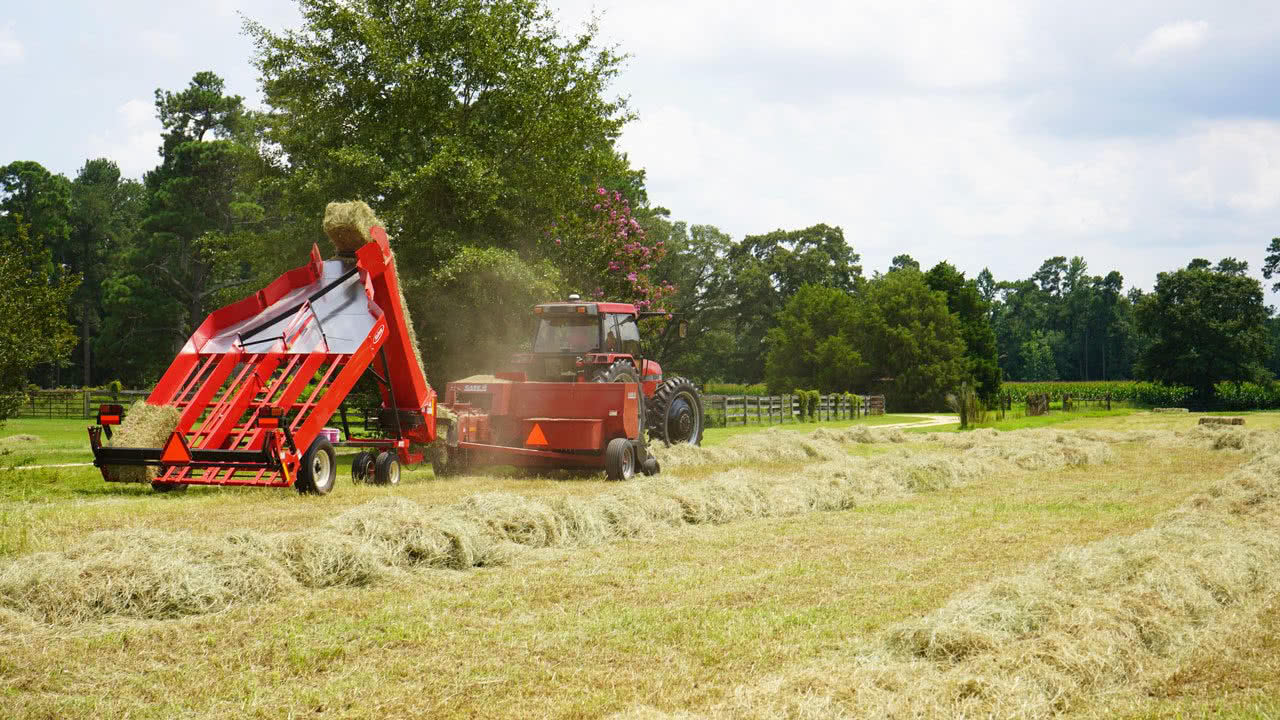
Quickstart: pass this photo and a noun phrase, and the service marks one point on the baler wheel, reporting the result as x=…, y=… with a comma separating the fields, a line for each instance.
x=318, y=471
x=620, y=459
x=168, y=487
x=386, y=469
x=619, y=371
x=362, y=467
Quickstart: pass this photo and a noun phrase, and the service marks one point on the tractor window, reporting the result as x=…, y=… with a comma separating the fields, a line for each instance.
x=567, y=333
x=629, y=334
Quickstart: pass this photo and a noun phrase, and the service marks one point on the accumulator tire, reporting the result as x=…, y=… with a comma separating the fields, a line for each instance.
x=620, y=459
x=619, y=371
x=386, y=469
x=675, y=413
x=317, y=472
x=362, y=467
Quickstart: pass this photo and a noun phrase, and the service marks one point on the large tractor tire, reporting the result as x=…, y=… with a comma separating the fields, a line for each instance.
x=675, y=413
x=619, y=371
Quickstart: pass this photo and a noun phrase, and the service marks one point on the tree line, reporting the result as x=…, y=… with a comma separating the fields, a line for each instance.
x=486, y=140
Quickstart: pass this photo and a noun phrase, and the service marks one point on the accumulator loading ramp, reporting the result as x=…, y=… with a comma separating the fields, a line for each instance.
x=260, y=378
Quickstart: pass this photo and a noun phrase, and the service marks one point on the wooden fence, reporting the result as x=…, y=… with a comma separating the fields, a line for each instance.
x=735, y=410
x=74, y=403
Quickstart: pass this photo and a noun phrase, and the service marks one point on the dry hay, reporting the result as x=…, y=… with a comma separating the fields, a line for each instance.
x=773, y=445
x=1221, y=420
x=1170, y=410
x=347, y=225
x=1028, y=449
x=155, y=574
x=145, y=426
x=1096, y=628
x=477, y=379
x=10, y=441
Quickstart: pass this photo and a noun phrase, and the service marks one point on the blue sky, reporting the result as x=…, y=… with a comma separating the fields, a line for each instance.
x=1136, y=134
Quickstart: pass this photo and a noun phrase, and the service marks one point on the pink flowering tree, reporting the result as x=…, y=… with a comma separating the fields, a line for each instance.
x=603, y=250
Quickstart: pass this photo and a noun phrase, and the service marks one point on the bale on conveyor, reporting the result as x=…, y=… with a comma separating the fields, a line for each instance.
x=145, y=426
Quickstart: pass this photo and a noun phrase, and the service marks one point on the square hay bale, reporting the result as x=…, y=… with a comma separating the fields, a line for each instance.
x=145, y=426
x=1222, y=420
x=347, y=224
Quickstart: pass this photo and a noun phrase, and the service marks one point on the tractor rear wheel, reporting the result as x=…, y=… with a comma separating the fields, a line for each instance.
x=675, y=412
x=317, y=471
x=619, y=371
x=620, y=459
x=362, y=467
x=386, y=469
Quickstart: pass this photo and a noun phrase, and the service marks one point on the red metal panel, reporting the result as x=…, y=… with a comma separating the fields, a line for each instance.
x=263, y=368
x=566, y=433
x=210, y=387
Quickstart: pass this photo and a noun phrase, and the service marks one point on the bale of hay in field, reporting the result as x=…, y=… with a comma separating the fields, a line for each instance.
x=1170, y=410
x=145, y=426
x=1221, y=420
x=321, y=559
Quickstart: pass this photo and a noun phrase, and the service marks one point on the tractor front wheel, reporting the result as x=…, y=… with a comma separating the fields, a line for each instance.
x=620, y=459
x=675, y=412
x=318, y=471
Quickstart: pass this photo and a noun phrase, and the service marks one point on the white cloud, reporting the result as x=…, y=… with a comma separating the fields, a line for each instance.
x=11, y=49
x=1171, y=39
x=134, y=141
x=163, y=43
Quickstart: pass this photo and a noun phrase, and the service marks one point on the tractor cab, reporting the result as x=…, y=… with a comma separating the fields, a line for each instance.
x=577, y=341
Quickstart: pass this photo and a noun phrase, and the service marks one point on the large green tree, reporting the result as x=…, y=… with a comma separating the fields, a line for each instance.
x=965, y=301
x=1206, y=327
x=105, y=215
x=765, y=271
x=33, y=311
x=201, y=235
x=463, y=122
x=815, y=343
x=41, y=198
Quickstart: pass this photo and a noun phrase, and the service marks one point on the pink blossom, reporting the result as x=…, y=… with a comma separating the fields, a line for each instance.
x=642, y=267
x=597, y=207
x=631, y=277
x=601, y=191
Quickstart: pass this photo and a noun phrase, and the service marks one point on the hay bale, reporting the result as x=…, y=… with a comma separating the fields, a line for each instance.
x=1169, y=410
x=1221, y=420
x=347, y=225
x=145, y=426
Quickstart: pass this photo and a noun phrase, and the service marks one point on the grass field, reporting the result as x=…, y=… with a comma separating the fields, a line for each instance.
x=797, y=567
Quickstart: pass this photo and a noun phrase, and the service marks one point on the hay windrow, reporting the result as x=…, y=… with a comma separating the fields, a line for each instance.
x=145, y=426
x=1101, y=624
x=11, y=441
x=156, y=574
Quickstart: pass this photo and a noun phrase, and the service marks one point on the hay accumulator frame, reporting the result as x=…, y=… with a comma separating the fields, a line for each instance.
x=258, y=381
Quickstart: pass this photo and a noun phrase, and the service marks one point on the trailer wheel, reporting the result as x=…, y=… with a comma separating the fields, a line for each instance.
x=168, y=487
x=386, y=469
x=362, y=467
x=620, y=459
x=317, y=472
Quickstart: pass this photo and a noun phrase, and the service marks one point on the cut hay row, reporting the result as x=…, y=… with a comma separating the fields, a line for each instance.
x=152, y=574
x=1099, y=625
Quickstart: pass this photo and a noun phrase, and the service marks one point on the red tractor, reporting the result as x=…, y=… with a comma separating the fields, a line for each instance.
x=584, y=397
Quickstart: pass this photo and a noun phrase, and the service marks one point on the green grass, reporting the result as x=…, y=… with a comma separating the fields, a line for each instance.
x=1081, y=417
x=60, y=440
x=678, y=621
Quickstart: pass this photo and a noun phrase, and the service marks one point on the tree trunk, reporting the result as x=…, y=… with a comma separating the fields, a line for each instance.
x=84, y=340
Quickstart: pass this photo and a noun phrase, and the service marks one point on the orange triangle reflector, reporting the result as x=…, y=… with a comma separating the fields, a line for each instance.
x=536, y=437
x=175, y=450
